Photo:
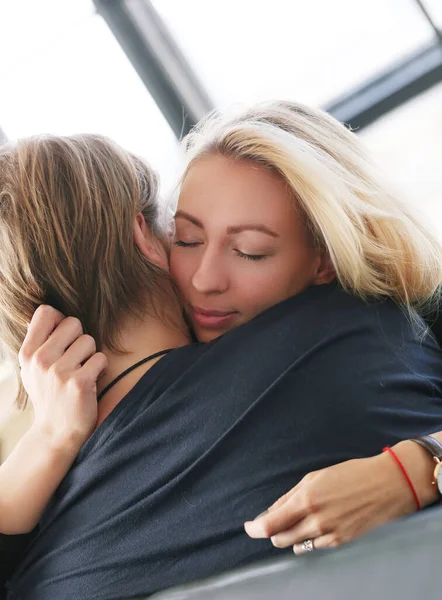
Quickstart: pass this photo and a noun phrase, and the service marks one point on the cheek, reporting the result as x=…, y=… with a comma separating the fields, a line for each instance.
x=257, y=287
x=267, y=285
x=179, y=270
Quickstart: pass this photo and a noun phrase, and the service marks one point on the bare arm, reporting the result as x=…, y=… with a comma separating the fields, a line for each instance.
x=30, y=476
x=60, y=368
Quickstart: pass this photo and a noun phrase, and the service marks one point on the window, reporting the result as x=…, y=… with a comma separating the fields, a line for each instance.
x=64, y=72
x=310, y=51
x=408, y=146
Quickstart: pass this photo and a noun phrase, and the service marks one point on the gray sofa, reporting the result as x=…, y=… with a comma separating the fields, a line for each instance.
x=402, y=560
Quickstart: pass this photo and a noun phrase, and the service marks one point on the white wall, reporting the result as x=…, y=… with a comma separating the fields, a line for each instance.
x=13, y=423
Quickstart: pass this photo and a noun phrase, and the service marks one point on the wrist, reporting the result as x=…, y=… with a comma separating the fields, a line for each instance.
x=420, y=467
x=60, y=444
x=395, y=488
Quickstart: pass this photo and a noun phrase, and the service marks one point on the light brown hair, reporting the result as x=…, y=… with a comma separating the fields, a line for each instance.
x=67, y=209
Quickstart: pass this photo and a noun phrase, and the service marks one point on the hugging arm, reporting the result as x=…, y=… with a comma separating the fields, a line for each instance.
x=59, y=367
x=340, y=503
x=388, y=383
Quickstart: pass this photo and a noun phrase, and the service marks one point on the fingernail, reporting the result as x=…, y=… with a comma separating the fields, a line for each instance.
x=254, y=529
x=261, y=515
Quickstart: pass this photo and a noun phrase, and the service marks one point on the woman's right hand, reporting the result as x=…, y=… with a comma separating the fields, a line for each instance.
x=59, y=369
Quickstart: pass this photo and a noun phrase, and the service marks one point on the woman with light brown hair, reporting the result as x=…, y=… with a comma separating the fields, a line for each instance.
x=55, y=195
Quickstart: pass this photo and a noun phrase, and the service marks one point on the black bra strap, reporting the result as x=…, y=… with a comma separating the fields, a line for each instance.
x=139, y=363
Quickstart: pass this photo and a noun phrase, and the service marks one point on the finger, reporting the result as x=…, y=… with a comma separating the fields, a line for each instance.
x=63, y=336
x=308, y=528
x=78, y=352
x=277, y=520
x=329, y=540
x=95, y=366
x=284, y=498
x=275, y=505
x=43, y=322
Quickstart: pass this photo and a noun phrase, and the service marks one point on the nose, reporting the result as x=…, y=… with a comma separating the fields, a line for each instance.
x=210, y=276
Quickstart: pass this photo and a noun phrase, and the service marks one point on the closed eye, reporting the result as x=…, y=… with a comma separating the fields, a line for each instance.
x=182, y=244
x=250, y=256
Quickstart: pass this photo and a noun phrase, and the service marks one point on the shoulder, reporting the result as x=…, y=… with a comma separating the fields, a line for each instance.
x=328, y=308
x=329, y=317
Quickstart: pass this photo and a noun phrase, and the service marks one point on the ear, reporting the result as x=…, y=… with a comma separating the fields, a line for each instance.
x=326, y=272
x=148, y=244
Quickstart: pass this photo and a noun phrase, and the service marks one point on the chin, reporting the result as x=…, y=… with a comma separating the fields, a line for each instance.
x=205, y=336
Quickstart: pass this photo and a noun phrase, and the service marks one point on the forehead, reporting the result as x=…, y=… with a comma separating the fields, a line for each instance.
x=227, y=190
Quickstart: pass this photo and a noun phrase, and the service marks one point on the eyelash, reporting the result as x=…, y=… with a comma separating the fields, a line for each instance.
x=254, y=257
x=182, y=244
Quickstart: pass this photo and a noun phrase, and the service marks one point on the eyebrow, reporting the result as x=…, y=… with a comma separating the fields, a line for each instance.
x=230, y=230
x=184, y=215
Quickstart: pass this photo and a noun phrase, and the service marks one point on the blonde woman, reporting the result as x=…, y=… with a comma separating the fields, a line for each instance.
x=188, y=448
x=240, y=166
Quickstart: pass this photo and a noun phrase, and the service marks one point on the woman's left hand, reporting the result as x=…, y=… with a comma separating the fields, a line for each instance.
x=335, y=505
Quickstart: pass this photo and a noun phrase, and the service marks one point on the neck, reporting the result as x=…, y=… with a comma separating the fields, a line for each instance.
x=139, y=339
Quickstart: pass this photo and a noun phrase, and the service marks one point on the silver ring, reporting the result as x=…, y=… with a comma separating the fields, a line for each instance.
x=308, y=546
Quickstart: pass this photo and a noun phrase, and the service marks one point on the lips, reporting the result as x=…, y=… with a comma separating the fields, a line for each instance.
x=212, y=319
x=212, y=313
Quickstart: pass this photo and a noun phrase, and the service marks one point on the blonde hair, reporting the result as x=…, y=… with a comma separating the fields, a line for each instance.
x=378, y=245
x=67, y=209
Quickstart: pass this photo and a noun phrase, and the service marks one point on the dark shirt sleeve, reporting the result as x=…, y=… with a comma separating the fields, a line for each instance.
x=11, y=548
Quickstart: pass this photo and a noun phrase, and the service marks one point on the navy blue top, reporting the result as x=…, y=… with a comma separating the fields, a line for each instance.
x=213, y=434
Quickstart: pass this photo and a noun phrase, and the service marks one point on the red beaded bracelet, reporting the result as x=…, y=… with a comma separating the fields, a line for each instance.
x=402, y=468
